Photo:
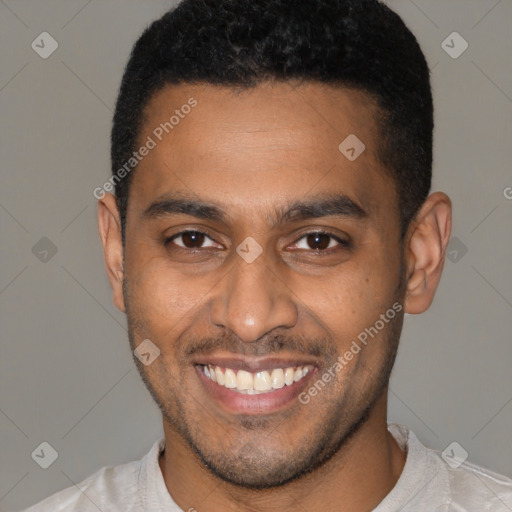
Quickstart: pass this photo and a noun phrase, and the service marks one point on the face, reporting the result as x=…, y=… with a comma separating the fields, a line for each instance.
x=257, y=254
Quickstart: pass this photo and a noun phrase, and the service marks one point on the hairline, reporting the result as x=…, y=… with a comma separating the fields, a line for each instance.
x=378, y=114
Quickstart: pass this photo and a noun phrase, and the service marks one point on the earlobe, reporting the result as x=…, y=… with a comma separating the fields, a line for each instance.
x=427, y=240
x=109, y=226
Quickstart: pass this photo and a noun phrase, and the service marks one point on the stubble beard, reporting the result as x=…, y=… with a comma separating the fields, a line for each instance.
x=250, y=466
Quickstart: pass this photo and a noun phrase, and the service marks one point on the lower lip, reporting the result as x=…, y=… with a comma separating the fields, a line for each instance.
x=264, y=403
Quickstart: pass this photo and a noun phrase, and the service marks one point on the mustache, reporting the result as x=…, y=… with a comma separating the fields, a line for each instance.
x=268, y=345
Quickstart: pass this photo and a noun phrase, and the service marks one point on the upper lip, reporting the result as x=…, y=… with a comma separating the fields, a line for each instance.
x=254, y=364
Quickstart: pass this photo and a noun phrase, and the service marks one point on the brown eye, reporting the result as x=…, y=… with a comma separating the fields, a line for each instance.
x=190, y=240
x=320, y=241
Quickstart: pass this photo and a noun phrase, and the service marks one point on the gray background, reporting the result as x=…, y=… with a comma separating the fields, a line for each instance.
x=67, y=375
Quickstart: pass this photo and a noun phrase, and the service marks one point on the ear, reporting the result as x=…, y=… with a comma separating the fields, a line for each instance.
x=109, y=225
x=425, y=251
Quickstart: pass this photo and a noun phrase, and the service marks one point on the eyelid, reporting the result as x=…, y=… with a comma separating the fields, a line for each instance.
x=171, y=238
x=343, y=242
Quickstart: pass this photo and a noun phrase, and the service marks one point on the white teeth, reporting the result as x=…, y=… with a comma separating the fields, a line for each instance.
x=262, y=381
x=277, y=378
x=255, y=383
x=229, y=378
x=244, y=380
x=288, y=376
x=219, y=375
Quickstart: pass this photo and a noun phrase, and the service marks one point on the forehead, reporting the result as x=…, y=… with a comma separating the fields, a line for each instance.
x=254, y=148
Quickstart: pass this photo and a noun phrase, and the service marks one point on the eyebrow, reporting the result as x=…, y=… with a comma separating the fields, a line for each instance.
x=330, y=205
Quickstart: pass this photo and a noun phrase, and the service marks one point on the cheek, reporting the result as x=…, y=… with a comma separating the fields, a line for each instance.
x=161, y=294
x=351, y=300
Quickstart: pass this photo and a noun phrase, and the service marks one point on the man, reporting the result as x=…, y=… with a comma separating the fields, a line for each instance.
x=271, y=225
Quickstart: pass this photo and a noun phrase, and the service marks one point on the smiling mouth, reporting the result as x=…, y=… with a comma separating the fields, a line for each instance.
x=255, y=383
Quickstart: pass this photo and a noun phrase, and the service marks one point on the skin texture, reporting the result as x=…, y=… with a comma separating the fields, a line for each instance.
x=252, y=153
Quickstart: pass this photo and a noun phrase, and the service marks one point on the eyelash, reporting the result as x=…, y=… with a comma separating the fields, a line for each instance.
x=342, y=242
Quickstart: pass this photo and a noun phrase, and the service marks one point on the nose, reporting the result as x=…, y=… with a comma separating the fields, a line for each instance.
x=252, y=300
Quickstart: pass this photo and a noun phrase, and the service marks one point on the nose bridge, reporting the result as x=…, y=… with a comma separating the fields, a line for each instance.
x=252, y=301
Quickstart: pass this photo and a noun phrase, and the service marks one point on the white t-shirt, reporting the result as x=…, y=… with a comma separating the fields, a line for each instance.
x=427, y=484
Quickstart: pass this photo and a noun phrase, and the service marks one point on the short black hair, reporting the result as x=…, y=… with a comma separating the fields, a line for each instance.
x=359, y=44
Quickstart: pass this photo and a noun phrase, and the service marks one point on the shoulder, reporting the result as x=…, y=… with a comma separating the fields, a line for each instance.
x=462, y=484
x=449, y=480
x=476, y=488
x=92, y=493
x=110, y=488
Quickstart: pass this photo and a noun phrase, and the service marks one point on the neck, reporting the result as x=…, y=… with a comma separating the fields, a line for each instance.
x=357, y=477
